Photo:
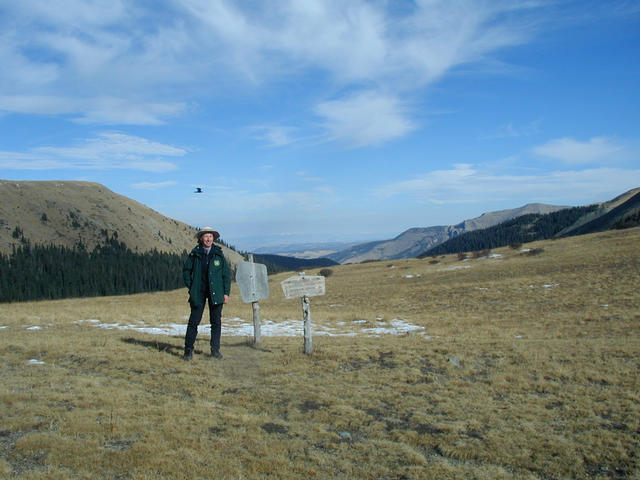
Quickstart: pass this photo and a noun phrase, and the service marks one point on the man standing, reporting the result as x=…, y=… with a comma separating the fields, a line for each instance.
x=207, y=275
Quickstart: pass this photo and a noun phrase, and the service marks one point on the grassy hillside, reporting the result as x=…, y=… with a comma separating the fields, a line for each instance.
x=63, y=213
x=623, y=216
x=518, y=366
x=526, y=228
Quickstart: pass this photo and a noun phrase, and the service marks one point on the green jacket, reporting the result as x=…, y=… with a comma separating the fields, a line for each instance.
x=219, y=276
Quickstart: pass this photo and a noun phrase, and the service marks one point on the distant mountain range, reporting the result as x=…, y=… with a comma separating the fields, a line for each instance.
x=280, y=263
x=621, y=212
x=68, y=212
x=307, y=250
x=414, y=241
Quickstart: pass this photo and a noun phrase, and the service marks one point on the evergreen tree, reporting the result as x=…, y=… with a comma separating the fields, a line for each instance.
x=49, y=272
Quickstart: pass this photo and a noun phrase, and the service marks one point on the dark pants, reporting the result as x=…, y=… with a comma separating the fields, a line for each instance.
x=215, y=317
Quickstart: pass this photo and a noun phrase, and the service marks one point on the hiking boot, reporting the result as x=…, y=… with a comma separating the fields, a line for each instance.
x=216, y=354
x=188, y=355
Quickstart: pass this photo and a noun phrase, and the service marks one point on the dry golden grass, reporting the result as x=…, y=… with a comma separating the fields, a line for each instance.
x=527, y=368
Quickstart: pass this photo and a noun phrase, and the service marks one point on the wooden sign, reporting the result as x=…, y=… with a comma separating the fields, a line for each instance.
x=303, y=285
x=252, y=281
x=254, y=286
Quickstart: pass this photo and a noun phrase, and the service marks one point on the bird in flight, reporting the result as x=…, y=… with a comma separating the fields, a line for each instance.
x=198, y=190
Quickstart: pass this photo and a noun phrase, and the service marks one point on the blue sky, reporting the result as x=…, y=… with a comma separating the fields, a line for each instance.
x=322, y=120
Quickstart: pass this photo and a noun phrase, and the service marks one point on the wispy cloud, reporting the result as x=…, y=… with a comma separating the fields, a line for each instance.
x=575, y=152
x=510, y=130
x=304, y=176
x=467, y=183
x=152, y=185
x=95, y=110
x=116, y=63
x=275, y=135
x=367, y=118
x=109, y=150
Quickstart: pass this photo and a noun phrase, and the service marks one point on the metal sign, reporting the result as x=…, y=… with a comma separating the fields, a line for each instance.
x=252, y=281
x=303, y=285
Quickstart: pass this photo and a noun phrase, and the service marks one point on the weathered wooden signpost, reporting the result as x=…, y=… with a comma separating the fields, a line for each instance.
x=254, y=286
x=304, y=286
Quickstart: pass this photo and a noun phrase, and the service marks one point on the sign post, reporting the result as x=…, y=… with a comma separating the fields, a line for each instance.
x=306, y=322
x=254, y=286
x=304, y=286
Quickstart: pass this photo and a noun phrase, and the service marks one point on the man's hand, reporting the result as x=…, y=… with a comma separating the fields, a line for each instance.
x=226, y=299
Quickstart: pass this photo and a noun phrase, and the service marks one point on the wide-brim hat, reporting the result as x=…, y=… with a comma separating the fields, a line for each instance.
x=215, y=234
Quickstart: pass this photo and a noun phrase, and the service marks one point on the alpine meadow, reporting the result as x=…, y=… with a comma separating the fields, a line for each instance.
x=410, y=232
x=520, y=363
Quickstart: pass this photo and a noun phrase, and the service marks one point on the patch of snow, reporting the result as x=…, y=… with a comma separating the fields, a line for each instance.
x=551, y=285
x=518, y=336
x=3, y=326
x=34, y=361
x=335, y=305
x=268, y=328
x=455, y=267
x=35, y=327
x=494, y=255
x=397, y=327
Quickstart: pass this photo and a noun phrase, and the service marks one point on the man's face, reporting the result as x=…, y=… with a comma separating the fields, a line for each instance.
x=207, y=239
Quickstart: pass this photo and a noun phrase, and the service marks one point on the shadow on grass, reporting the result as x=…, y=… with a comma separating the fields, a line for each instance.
x=178, y=350
x=158, y=346
x=247, y=343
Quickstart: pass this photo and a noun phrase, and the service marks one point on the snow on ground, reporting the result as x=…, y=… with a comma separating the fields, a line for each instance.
x=455, y=267
x=288, y=328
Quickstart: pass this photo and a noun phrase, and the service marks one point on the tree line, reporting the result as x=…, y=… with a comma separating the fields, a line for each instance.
x=523, y=229
x=50, y=272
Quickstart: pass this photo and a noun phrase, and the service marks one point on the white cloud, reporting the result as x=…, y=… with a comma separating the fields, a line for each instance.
x=274, y=135
x=305, y=177
x=31, y=161
x=152, y=185
x=367, y=118
x=97, y=110
x=467, y=183
x=109, y=150
x=574, y=152
x=141, y=63
x=510, y=130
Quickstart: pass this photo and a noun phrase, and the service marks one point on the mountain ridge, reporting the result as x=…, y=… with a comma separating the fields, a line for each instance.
x=417, y=240
x=67, y=212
